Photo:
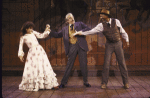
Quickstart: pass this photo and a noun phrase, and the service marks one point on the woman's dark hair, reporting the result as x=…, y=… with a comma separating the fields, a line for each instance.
x=25, y=26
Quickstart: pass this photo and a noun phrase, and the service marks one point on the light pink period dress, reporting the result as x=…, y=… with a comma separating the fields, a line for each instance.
x=38, y=73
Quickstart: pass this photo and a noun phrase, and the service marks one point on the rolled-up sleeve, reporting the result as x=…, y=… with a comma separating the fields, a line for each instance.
x=122, y=31
x=97, y=29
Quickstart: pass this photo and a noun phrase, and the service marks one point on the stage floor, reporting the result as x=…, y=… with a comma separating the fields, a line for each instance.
x=93, y=71
x=139, y=88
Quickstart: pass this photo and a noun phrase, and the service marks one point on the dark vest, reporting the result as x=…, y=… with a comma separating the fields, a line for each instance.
x=112, y=33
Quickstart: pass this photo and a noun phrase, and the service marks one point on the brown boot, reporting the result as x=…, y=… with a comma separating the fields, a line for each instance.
x=103, y=86
x=126, y=86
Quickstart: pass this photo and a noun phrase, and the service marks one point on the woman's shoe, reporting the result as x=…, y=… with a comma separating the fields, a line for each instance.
x=55, y=88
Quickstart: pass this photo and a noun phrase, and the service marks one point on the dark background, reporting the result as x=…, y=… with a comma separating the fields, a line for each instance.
x=133, y=14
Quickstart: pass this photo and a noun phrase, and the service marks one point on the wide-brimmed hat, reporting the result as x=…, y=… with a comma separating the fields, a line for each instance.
x=106, y=12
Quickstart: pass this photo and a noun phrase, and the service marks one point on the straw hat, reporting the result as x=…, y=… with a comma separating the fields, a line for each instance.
x=106, y=12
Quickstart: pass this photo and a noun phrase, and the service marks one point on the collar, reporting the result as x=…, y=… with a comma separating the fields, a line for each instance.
x=71, y=24
x=109, y=21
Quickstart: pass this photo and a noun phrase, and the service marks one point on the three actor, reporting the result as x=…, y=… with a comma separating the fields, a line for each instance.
x=75, y=44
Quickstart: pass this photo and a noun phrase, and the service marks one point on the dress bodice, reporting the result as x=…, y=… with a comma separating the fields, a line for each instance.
x=31, y=40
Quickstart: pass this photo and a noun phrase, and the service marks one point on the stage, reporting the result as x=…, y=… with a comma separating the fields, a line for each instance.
x=139, y=83
x=139, y=88
x=134, y=16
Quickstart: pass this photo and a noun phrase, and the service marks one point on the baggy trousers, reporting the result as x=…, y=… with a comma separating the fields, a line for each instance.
x=109, y=49
x=75, y=49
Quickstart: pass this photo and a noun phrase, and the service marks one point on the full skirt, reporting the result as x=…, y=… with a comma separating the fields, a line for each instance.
x=38, y=73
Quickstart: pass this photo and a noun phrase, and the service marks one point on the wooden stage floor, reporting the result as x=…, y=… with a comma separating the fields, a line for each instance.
x=139, y=88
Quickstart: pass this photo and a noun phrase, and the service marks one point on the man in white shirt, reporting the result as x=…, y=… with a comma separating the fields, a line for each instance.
x=111, y=29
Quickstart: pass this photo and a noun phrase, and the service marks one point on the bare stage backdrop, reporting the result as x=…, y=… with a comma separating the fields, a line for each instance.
x=133, y=14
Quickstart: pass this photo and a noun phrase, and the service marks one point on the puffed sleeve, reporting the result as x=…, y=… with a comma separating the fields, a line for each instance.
x=20, y=51
x=41, y=35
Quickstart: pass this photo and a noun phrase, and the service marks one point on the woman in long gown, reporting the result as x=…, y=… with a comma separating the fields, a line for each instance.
x=38, y=73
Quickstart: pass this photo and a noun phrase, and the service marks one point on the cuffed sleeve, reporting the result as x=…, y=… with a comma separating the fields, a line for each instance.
x=20, y=51
x=122, y=31
x=41, y=35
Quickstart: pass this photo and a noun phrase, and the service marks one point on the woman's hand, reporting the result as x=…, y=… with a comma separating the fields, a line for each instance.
x=21, y=58
x=47, y=28
x=128, y=44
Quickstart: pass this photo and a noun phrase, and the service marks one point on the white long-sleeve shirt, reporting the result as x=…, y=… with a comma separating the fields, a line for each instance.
x=99, y=29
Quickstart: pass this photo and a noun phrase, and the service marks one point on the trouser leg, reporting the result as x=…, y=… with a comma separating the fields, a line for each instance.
x=107, y=58
x=83, y=63
x=71, y=59
x=121, y=62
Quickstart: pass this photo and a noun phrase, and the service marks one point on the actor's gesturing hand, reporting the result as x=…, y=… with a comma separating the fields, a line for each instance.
x=77, y=33
x=128, y=44
x=47, y=28
x=21, y=58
